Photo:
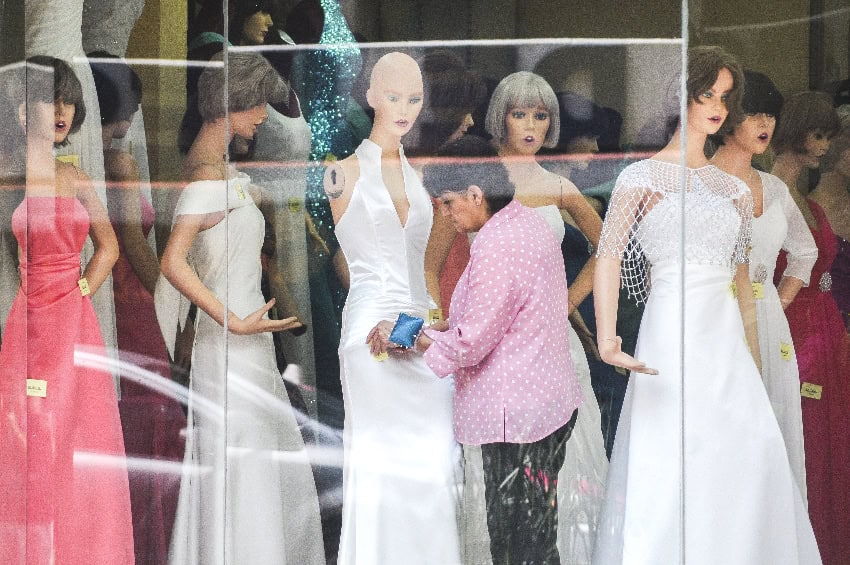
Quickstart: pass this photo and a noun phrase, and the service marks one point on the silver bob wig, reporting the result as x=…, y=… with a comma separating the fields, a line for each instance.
x=252, y=82
x=522, y=90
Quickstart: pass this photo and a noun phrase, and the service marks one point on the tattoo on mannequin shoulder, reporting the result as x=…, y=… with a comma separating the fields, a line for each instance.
x=334, y=182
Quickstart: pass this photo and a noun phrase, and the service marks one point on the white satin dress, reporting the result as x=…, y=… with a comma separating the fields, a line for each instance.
x=402, y=475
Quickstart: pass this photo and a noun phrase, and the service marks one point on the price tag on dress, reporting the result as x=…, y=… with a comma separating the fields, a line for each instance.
x=37, y=387
x=810, y=390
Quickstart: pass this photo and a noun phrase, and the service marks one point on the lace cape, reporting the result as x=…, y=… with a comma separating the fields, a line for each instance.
x=643, y=225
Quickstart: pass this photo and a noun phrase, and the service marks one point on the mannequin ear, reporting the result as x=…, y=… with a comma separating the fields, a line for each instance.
x=22, y=115
x=370, y=98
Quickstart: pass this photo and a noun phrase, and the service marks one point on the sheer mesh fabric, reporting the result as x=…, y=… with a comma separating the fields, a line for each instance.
x=643, y=225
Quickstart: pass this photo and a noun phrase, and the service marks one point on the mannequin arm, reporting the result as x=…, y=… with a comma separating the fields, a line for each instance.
x=747, y=304
x=100, y=230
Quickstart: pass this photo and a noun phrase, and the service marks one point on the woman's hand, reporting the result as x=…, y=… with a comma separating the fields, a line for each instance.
x=256, y=323
x=610, y=349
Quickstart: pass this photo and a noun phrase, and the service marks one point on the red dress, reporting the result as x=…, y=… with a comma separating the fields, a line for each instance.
x=63, y=475
x=823, y=356
x=152, y=421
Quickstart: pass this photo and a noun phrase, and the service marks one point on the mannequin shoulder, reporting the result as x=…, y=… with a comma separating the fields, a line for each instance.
x=340, y=176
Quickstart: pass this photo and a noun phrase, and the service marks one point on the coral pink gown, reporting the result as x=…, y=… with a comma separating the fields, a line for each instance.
x=152, y=421
x=63, y=475
x=823, y=355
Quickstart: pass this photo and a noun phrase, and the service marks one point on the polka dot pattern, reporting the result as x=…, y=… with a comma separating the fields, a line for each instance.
x=507, y=343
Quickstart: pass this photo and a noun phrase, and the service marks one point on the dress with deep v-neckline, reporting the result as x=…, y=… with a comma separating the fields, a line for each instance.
x=402, y=478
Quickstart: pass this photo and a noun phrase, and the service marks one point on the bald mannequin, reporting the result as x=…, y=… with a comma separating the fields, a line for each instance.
x=395, y=93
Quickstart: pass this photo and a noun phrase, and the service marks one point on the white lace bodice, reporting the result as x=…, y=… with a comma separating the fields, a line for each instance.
x=643, y=226
x=780, y=226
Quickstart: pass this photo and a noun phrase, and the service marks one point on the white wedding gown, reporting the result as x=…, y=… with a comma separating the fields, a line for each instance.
x=247, y=494
x=581, y=481
x=699, y=472
x=402, y=464
x=781, y=226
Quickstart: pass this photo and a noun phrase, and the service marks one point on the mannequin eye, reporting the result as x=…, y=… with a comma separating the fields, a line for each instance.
x=415, y=99
x=541, y=116
x=392, y=97
x=707, y=94
x=518, y=114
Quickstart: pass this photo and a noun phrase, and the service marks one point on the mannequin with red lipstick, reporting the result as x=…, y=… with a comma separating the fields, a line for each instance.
x=699, y=470
x=212, y=259
x=401, y=478
x=820, y=340
x=777, y=225
x=833, y=195
x=55, y=509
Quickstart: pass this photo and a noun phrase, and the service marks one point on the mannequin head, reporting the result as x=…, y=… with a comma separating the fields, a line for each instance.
x=251, y=22
x=251, y=84
x=761, y=104
x=808, y=122
x=69, y=108
x=395, y=93
x=452, y=94
x=523, y=115
x=837, y=159
x=119, y=91
x=713, y=76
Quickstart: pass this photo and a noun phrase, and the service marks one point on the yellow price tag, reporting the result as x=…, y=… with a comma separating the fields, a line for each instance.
x=733, y=289
x=240, y=192
x=810, y=390
x=37, y=387
x=294, y=205
x=785, y=351
x=381, y=356
x=435, y=315
x=83, y=283
x=758, y=290
x=71, y=159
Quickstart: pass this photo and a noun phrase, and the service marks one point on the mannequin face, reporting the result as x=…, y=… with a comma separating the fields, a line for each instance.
x=707, y=113
x=63, y=117
x=525, y=130
x=122, y=127
x=753, y=135
x=816, y=145
x=467, y=210
x=255, y=28
x=462, y=128
x=583, y=145
x=395, y=93
x=245, y=123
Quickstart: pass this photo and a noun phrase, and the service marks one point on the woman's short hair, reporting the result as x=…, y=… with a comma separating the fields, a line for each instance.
x=470, y=161
x=251, y=82
x=119, y=89
x=66, y=87
x=760, y=97
x=803, y=113
x=522, y=90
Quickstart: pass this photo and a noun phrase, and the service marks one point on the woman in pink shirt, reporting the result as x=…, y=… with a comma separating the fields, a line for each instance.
x=506, y=343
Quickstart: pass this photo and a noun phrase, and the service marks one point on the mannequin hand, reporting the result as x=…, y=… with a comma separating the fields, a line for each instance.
x=611, y=352
x=379, y=338
x=584, y=335
x=255, y=323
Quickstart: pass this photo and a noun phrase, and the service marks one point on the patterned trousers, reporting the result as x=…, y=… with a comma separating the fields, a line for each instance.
x=521, y=489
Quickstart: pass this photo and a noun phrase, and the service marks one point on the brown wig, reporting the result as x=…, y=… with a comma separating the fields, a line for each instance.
x=451, y=92
x=66, y=87
x=704, y=65
x=802, y=114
